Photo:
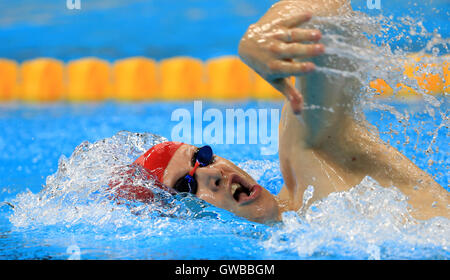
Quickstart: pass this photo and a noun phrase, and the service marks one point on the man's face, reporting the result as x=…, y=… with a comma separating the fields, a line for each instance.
x=224, y=185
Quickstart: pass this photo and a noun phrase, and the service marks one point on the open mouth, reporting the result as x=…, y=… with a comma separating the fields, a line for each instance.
x=242, y=191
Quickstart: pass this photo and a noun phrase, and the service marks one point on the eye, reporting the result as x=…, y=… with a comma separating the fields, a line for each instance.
x=217, y=182
x=194, y=157
x=185, y=184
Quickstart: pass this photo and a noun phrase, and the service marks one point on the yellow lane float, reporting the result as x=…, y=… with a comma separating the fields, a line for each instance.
x=262, y=89
x=182, y=78
x=42, y=80
x=446, y=74
x=228, y=78
x=429, y=77
x=381, y=87
x=426, y=74
x=8, y=79
x=88, y=80
x=135, y=79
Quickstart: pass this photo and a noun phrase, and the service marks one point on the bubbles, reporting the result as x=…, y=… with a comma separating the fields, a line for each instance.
x=266, y=172
x=82, y=196
x=375, y=48
x=374, y=252
x=307, y=195
x=80, y=191
x=399, y=58
x=366, y=222
x=74, y=252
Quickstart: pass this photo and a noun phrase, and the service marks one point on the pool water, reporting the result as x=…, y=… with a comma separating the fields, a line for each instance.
x=202, y=29
x=56, y=158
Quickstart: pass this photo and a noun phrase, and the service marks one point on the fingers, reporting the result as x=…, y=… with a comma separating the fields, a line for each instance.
x=290, y=43
x=297, y=50
x=298, y=35
x=286, y=87
x=282, y=69
x=291, y=19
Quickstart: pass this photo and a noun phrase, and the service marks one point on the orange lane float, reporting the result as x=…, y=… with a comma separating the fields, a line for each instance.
x=181, y=78
x=88, y=80
x=8, y=79
x=410, y=66
x=428, y=76
x=42, y=79
x=135, y=79
x=228, y=78
x=262, y=89
x=446, y=74
x=381, y=87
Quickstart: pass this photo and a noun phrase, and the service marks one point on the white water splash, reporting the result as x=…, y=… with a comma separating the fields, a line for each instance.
x=78, y=192
x=366, y=49
x=366, y=222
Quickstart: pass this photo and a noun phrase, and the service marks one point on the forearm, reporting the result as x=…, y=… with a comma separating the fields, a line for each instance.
x=364, y=153
x=328, y=91
x=324, y=7
x=329, y=99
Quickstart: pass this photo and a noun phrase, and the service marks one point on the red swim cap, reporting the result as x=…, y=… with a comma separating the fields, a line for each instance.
x=157, y=158
x=155, y=162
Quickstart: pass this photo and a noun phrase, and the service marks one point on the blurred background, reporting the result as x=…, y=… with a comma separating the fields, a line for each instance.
x=158, y=29
x=177, y=51
x=52, y=53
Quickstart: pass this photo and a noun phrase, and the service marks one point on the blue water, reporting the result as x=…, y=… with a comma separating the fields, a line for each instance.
x=160, y=29
x=56, y=224
x=54, y=158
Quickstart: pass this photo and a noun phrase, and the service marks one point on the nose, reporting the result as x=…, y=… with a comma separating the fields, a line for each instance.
x=210, y=177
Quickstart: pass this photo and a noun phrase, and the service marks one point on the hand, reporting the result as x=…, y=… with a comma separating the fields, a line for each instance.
x=275, y=47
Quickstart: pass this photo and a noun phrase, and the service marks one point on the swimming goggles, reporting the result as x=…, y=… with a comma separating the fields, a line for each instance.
x=203, y=157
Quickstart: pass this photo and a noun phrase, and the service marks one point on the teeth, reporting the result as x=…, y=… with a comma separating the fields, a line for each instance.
x=234, y=187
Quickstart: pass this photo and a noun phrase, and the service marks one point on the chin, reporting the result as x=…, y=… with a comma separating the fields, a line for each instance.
x=263, y=211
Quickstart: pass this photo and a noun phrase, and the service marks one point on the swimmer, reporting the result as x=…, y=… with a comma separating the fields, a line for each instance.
x=327, y=149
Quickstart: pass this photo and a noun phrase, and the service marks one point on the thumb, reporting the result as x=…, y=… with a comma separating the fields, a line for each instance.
x=286, y=87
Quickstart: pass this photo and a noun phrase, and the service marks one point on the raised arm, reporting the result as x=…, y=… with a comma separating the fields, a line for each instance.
x=273, y=45
x=283, y=43
x=321, y=143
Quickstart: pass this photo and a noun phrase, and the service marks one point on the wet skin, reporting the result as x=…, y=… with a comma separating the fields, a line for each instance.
x=278, y=46
x=215, y=186
x=330, y=151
